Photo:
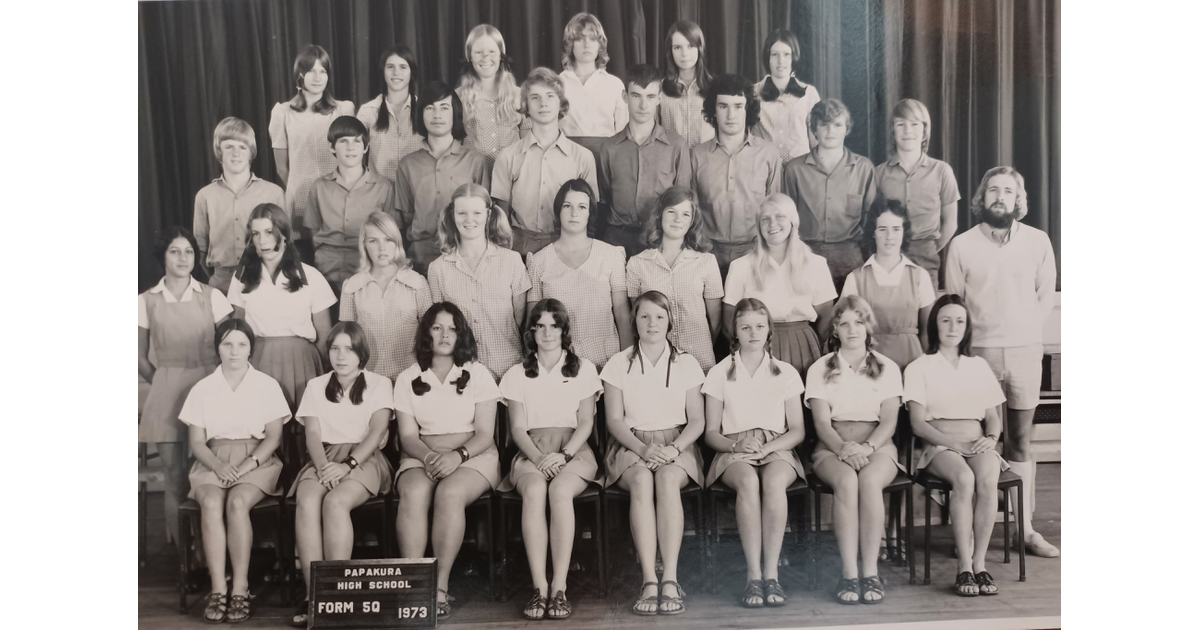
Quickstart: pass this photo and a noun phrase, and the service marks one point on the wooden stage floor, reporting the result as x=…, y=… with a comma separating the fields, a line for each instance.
x=1038, y=597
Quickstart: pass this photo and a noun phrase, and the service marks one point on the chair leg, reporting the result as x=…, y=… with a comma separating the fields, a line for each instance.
x=928, y=529
x=492, y=590
x=185, y=561
x=280, y=540
x=891, y=524
x=1004, y=508
x=907, y=553
x=1020, y=527
x=503, y=551
x=812, y=572
x=601, y=562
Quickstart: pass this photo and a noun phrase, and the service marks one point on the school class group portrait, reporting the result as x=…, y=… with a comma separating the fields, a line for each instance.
x=692, y=264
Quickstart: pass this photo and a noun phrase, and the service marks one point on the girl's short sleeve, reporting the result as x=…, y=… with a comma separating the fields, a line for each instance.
x=633, y=278
x=236, y=297
x=143, y=316
x=914, y=381
x=368, y=116
x=925, y=293
x=278, y=126
x=714, y=383
x=712, y=278
x=192, y=412
x=735, y=282
x=520, y=279
x=380, y=390
x=347, y=311
x=587, y=381
x=816, y=382
x=310, y=405
x=990, y=392
x=483, y=384
x=220, y=305
x=616, y=277
x=402, y=394
x=512, y=384
x=821, y=281
x=321, y=296
x=690, y=373
x=614, y=371
x=534, y=274
x=890, y=383
x=795, y=384
x=272, y=405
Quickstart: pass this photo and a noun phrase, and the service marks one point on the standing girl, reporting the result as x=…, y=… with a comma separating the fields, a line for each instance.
x=786, y=101
x=598, y=108
x=686, y=83
x=392, y=135
x=489, y=93
x=551, y=400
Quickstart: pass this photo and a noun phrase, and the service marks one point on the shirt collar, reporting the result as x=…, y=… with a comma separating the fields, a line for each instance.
x=762, y=366
x=844, y=364
x=747, y=139
x=557, y=367
x=659, y=133
x=455, y=370
x=811, y=157
x=990, y=233
x=161, y=287
x=894, y=159
x=455, y=147
x=492, y=250
x=528, y=141
x=903, y=261
x=655, y=255
x=368, y=177
x=221, y=180
x=571, y=73
x=220, y=373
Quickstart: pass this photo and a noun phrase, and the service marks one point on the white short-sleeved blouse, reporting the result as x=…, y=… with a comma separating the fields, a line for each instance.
x=853, y=396
x=777, y=291
x=586, y=291
x=230, y=414
x=551, y=399
x=273, y=311
x=753, y=401
x=655, y=395
x=950, y=393
x=344, y=422
x=442, y=409
x=885, y=278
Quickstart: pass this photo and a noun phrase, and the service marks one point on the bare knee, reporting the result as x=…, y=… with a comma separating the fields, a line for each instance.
x=963, y=481
x=413, y=495
x=211, y=502
x=641, y=484
x=335, y=504
x=668, y=479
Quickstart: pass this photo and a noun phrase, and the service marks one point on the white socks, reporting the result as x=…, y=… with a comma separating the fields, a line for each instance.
x=1026, y=471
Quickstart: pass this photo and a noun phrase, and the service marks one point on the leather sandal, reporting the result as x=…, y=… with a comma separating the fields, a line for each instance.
x=754, y=588
x=443, y=608
x=985, y=580
x=559, y=605
x=676, y=602
x=535, y=609
x=642, y=601
x=871, y=585
x=772, y=588
x=215, y=610
x=239, y=608
x=964, y=580
x=300, y=615
x=846, y=586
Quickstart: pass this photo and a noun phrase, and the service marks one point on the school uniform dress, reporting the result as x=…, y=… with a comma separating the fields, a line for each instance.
x=784, y=121
x=587, y=294
x=220, y=219
x=389, y=313
x=794, y=340
x=955, y=400
x=633, y=176
x=655, y=398
x=487, y=132
x=335, y=215
x=305, y=136
x=693, y=279
x=389, y=147
x=924, y=191
x=896, y=297
x=424, y=185
x=235, y=421
x=753, y=407
x=446, y=418
x=344, y=425
x=181, y=332
x=684, y=114
x=853, y=397
x=597, y=108
x=282, y=325
x=551, y=402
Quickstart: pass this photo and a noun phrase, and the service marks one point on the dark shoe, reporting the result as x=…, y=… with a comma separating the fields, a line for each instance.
x=675, y=603
x=216, y=609
x=848, y=586
x=754, y=589
x=239, y=609
x=559, y=607
x=644, y=601
x=964, y=581
x=872, y=585
x=987, y=584
x=535, y=609
x=774, y=589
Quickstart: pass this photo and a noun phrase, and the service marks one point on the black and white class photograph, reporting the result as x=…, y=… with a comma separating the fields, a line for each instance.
x=578, y=230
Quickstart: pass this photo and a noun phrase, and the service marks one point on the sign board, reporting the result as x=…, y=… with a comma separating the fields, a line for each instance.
x=363, y=594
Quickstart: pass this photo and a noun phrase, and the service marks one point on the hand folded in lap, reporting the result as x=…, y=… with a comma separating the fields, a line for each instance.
x=443, y=465
x=551, y=464
x=855, y=455
x=982, y=445
x=228, y=474
x=331, y=474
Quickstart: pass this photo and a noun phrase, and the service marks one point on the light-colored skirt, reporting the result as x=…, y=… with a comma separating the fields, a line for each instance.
x=486, y=463
x=723, y=460
x=618, y=459
x=795, y=343
x=856, y=432
x=965, y=430
x=169, y=388
x=265, y=477
x=375, y=474
x=552, y=440
x=293, y=361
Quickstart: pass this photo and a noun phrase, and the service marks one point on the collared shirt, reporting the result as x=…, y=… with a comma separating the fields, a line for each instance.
x=753, y=401
x=235, y=414
x=221, y=217
x=632, y=176
x=485, y=295
x=597, y=108
x=218, y=303
x=885, y=278
x=688, y=284
x=930, y=186
x=344, y=422
x=732, y=187
x=486, y=132
x=651, y=403
x=336, y=212
x=950, y=393
x=388, y=148
x=785, y=120
x=833, y=206
x=273, y=311
x=305, y=136
x=528, y=176
x=586, y=291
x=389, y=314
x=853, y=396
x=424, y=185
x=684, y=115
x=551, y=399
x=1009, y=289
x=443, y=410
x=777, y=292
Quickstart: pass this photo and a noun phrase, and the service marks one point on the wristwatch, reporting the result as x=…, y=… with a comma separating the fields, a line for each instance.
x=567, y=455
x=993, y=437
x=351, y=462
x=255, y=458
x=462, y=452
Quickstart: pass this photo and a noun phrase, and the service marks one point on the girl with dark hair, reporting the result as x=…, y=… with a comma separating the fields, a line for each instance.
x=755, y=418
x=899, y=292
x=392, y=136
x=299, y=131
x=585, y=274
x=685, y=84
x=854, y=393
x=345, y=415
x=489, y=92
x=177, y=316
x=235, y=417
x=655, y=414
x=285, y=301
x=786, y=101
x=678, y=265
x=551, y=401
x=446, y=407
x=952, y=398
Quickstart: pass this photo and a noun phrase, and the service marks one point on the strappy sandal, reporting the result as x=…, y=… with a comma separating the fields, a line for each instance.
x=300, y=615
x=985, y=580
x=965, y=579
x=536, y=604
x=239, y=608
x=559, y=604
x=216, y=609
x=443, y=608
x=664, y=600
x=642, y=601
x=773, y=588
x=754, y=588
x=846, y=586
x=872, y=585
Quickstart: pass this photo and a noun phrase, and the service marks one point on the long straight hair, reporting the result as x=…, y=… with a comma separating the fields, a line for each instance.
x=671, y=85
x=465, y=348
x=695, y=238
x=508, y=95
x=769, y=92
x=305, y=61
x=358, y=343
x=383, y=222
x=658, y=299
x=382, y=121
x=797, y=250
x=931, y=329
x=249, y=271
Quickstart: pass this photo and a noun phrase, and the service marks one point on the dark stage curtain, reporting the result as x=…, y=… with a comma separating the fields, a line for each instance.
x=988, y=71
